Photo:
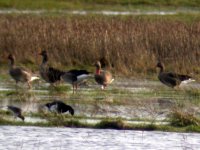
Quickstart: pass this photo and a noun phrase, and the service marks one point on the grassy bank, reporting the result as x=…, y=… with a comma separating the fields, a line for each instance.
x=132, y=45
x=98, y=4
x=105, y=124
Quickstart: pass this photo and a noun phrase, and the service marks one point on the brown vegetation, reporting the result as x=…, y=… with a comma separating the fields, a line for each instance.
x=132, y=45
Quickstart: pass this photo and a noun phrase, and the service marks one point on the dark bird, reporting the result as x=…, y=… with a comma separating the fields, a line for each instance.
x=59, y=107
x=20, y=74
x=75, y=77
x=49, y=74
x=17, y=112
x=102, y=77
x=172, y=79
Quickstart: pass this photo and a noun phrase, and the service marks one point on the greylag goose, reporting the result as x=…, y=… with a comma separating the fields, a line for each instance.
x=59, y=107
x=49, y=74
x=17, y=112
x=172, y=79
x=102, y=77
x=75, y=77
x=20, y=74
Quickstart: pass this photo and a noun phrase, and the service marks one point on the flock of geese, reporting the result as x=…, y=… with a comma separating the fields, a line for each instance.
x=75, y=77
x=52, y=75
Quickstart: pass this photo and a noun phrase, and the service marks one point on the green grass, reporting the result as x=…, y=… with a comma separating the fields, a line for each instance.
x=98, y=4
x=104, y=124
x=185, y=123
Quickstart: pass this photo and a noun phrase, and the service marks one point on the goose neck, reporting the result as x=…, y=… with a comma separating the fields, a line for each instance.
x=45, y=59
x=161, y=69
x=11, y=63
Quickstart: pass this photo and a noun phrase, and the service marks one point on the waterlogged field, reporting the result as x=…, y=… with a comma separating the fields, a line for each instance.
x=125, y=104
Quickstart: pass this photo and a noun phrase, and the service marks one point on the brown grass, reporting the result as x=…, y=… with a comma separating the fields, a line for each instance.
x=132, y=45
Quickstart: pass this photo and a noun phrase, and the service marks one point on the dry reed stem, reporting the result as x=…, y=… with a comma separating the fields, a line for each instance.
x=132, y=45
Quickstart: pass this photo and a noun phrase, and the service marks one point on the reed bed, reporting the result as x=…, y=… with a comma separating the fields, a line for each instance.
x=132, y=45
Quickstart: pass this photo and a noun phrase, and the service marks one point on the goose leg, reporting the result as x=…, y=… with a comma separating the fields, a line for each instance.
x=16, y=85
x=29, y=85
x=76, y=86
x=52, y=85
x=73, y=88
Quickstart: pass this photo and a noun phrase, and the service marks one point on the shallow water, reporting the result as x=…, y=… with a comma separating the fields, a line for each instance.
x=126, y=98
x=37, y=138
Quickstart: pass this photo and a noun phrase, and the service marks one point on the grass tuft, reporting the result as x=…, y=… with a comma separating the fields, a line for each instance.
x=179, y=118
x=110, y=124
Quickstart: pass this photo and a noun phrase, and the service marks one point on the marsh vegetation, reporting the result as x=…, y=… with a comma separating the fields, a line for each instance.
x=132, y=45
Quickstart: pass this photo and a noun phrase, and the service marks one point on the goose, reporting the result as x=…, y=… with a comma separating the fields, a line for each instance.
x=59, y=107
x=75, y=77
x=49, y=74
x=172, y=79
x=17, y=112
x=20, y=74
x=102, y=77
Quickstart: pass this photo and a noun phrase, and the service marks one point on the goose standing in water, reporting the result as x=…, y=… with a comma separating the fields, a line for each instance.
x=75, y=77
x=172, y=79
x=20, y=74
x=102, y=77
x=17, y=112
x=49, y=74
x=59, y=107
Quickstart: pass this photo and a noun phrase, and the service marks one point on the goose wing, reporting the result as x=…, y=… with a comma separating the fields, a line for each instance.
x=178, y=76
x=168, y=79
x=14, y=109
x=78, y=72
x=69, y=77
x=54, y=74
x=20, y=74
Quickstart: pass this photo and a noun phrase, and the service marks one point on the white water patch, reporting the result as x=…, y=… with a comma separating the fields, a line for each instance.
x=32, y=138
x=148, y=122
x=102, y=12
x=34, y=119
x=90, y=121
x=138, y=89
x=5, y=89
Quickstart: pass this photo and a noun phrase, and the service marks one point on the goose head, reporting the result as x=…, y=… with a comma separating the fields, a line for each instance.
x=11, y=58
x=22, y=117
x=98, y=65
x=44, y=55
x=71, y=112
x=160, y=65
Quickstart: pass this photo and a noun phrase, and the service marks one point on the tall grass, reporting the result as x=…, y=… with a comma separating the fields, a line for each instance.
x=132, y=45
